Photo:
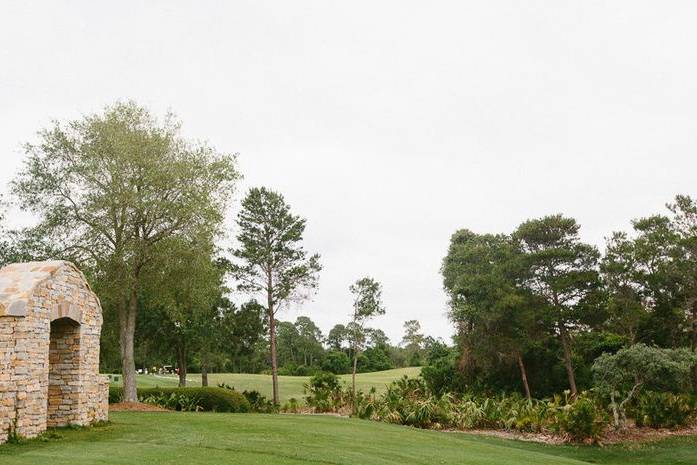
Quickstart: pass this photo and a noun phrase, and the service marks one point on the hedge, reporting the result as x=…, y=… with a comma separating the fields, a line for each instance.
x=210, y=399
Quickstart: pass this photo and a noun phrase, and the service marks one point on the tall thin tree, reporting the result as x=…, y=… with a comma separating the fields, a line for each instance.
x=367, y=304
x=270, y=259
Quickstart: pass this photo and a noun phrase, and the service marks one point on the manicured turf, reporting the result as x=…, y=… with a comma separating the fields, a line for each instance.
x=220, y=438
x=289, y=386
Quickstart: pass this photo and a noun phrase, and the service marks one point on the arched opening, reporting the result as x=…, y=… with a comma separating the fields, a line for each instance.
x=63, y=372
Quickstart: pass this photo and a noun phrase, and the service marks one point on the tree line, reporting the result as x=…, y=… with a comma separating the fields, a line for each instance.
x=535, y=308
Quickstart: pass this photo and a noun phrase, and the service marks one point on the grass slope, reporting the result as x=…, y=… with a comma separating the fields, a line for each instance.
x=210, y=438
x=289, y=386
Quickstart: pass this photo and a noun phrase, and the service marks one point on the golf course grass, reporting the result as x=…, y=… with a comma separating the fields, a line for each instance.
x=289, y=386
x=220, y=438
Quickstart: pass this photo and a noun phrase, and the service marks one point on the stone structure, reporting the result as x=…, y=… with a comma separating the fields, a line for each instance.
x=50, y=322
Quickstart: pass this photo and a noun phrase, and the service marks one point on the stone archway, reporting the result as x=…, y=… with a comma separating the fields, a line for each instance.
x=50, y=323
x=63, y=373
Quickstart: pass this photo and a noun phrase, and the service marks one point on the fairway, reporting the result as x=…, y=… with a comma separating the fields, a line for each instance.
x=219, y=438
x=289, y=386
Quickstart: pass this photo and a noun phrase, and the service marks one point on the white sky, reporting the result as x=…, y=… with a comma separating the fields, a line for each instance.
x=388, y=125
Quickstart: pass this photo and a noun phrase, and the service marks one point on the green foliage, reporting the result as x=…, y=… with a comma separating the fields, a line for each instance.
x=291, y=406
x=257, y=401
x=442, y=374
x=336, y=362
x=207, y=399
x=270, y=259
x=408, y=401
x=646, y=367
x=665, y=409
x=324, y=393
x=582, y=419
x=115, y=394
x=110, y=190
x=184, y=402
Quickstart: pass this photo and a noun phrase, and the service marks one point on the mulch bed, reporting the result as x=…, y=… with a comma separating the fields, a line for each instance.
x=135, y=407
x=630, y=435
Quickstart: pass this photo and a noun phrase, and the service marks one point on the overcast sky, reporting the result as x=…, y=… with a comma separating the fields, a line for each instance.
x=387, y=124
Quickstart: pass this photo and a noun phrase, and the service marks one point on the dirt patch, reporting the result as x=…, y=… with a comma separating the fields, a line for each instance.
x=135, y=407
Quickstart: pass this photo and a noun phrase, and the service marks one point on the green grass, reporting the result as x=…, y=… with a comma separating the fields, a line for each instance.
x=219, y=438
x=289, y=386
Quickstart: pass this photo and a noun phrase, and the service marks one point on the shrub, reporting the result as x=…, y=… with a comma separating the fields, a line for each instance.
x=664, y=410
x=173, y=401
x=258, y=402
x=582, y=419
x=115, y=394
x=324, y=392
x=291, y=406
x=209, y=399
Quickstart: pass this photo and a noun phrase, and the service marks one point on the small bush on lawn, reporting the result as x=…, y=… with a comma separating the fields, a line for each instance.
x=292, y=406
x=258, y=402
x=324, y=392
x=173, y=401
x=208, y=399
x=115, y=394
x=664, y=410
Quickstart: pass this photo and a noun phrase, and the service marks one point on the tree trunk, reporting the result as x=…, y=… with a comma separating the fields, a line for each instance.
x=127, y=328
x=693, y=343
x=274, y=362
x=204, y=375
x=353, y=379
x=564, y=335
x=181, y=363
x=524, y=377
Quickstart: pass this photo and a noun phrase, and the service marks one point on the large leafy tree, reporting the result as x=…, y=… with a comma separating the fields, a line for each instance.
x=242, y=332
x=310, y=340
x=110, y=188
x=652, y=277
x=561, y=271
x=187, y=284
x=367, y=304
x=684, y=223
x=271, y=260
x=497, y=318
x=337, y=337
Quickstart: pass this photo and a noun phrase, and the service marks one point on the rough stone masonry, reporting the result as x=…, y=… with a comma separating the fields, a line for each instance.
x=50, y=323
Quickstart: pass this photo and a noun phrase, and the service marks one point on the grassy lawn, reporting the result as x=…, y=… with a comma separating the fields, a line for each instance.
x=218, y=438
x=289, y=386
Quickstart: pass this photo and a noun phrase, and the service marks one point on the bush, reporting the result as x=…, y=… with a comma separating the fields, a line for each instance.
x=324, y=392
x=664, y=410
x=209, y=399
x=291, y=406
x=174, y=401
x=582, y=419
x=258, y=402
x=115, y=394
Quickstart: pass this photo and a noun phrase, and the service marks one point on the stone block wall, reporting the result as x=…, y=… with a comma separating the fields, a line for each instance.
x=50, y=322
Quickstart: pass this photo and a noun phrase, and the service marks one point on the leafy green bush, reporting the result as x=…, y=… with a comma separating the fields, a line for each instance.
x=324, y=392
x=258, y=402
x=209, y=399
x=582, y=419
x=291, y=406
x=173, y=401
x=664, y=410
x=115, y=394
